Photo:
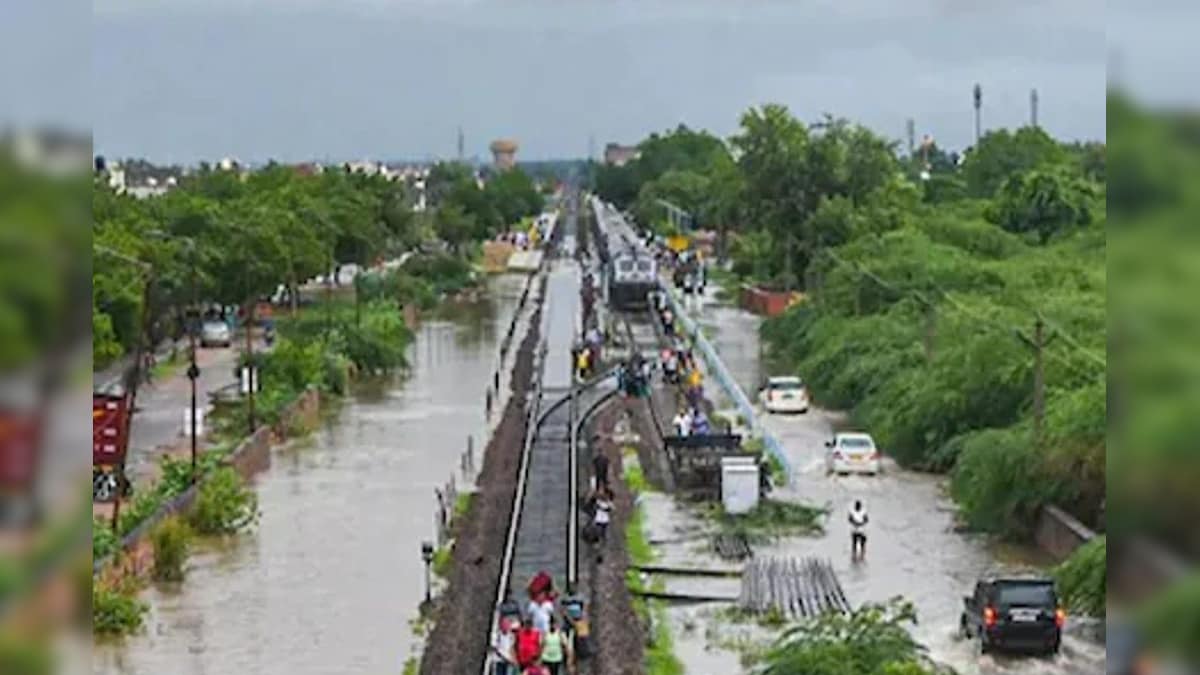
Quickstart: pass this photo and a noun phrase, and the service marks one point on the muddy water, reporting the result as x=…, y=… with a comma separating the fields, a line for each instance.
x=330, y=578
x=914, y=549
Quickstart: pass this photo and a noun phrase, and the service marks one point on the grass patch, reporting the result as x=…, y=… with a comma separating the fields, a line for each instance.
x=412, y=666
x=635, y=478
x=770, y=519
x=172, y=540
x=462, y=504
x=116, y=609
x=443, y=560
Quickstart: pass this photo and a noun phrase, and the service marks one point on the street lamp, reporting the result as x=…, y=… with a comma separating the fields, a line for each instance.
x=427, y=556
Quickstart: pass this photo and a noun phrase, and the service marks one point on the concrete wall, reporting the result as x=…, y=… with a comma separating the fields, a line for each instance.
x=1059, y=533
x=250, y=457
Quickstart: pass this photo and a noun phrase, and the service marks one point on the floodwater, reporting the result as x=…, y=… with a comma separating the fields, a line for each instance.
x=331, y=576
x=914, y=549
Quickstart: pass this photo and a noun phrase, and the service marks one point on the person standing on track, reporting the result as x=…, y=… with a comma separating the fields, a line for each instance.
x=600, y=469
x=602, y=518
x=555, y=649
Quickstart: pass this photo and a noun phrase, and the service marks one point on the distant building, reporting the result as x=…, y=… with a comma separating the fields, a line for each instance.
x=52, y=151
x=616, y=154
x=504, y=153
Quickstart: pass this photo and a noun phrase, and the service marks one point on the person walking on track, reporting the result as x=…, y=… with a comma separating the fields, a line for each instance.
x=600, y=468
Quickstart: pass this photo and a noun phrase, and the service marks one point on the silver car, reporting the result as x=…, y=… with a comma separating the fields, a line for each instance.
x=215, y=334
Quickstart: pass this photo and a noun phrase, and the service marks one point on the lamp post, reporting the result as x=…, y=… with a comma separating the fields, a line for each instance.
x=427, y=556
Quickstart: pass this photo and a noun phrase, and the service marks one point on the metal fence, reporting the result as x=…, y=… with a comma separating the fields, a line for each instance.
x=718, y=371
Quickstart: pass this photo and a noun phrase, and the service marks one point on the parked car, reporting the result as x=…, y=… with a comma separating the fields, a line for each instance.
x=216, y=334
x=1014, y=614
x=850, y=453
x=784, y=394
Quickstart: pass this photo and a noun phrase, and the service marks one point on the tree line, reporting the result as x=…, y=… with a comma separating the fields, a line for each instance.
x=239, y=236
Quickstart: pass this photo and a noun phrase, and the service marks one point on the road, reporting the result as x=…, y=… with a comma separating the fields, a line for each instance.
x=914, y=547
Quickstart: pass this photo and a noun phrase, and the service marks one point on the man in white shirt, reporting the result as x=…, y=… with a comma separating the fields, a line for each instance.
x=681, y=424
x=858, y=530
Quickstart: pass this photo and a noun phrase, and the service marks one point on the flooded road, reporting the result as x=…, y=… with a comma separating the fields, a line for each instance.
x=331, y=576
x=913, y=548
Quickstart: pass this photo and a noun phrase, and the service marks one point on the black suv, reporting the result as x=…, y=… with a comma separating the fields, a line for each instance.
x=1018, y=614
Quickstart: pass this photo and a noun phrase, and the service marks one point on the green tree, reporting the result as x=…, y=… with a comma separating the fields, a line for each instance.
x=1001, y=153
x=453, y=225
x=1043, y=203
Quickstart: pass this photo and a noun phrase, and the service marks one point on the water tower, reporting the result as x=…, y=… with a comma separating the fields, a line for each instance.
x=504, y=153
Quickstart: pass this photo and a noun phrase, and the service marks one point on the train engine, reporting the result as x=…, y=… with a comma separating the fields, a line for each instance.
x=632, y=276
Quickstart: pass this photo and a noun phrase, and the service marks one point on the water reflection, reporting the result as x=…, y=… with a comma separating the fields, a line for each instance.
x=329, y=579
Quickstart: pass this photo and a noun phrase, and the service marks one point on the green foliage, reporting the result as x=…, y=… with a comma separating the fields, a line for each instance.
x=104, y=542
x=224, y=504
x=1082, y=578
x=23, y=656
x=443, y=561
x=1001, y=481
x=1043, y=203
x=1001, y=154
x=1171, y=619
x=116, y=609
x=172, y=539
x=871, y=640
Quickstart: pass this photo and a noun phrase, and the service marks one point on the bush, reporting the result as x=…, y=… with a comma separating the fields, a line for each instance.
x=1001, y=481
x=224, y=505
x=172, y=540
x=1082, y=578
x=116, y=609
x=104, y=542
x=1171, y=619
x=870, y=640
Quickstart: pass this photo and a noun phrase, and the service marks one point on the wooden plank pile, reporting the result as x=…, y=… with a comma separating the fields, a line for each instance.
x=798, y=588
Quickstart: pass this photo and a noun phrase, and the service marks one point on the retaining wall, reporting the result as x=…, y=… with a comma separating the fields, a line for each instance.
x=252, y=456
x=1059, y=533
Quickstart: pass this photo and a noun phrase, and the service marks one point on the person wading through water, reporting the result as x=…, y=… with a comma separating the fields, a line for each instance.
x=858, y=533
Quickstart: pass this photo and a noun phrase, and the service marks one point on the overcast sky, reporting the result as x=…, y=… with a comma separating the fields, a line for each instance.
x=183, y=80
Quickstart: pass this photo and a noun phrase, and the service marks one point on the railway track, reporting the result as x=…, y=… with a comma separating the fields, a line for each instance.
x=543, y=531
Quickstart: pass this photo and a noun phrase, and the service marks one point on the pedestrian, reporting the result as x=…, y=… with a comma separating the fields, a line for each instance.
x=682, y=426
x=700, y=424
x=505, y=648
x=600, y=469
x=555, y=648
x=529, y=646
x=540, y=584
x=604, y=507
x=509, y=609
x=540, y=610
x=858, y=530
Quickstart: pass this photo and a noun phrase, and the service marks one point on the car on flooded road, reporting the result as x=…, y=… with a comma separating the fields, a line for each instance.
x=1014, y=614
x=784, y=394
x=848, y=453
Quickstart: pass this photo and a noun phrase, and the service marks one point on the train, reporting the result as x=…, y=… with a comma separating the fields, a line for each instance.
x=629, y=263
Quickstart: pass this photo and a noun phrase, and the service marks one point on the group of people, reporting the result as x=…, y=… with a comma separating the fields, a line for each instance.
x=689, y=421
x=544, y=639
x=633, y=376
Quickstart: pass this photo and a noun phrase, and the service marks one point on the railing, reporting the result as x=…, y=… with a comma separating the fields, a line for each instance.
x=721, y=374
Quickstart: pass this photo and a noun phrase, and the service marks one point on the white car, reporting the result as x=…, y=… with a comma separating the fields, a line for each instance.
x=784, y=395
x=215, y=334
x=852, y=453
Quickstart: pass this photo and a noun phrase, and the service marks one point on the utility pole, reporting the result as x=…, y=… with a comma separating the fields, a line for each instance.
x=1038, y=344
x=911, y=129
x=978, y=106
x=460, y=144
x=1033, y=108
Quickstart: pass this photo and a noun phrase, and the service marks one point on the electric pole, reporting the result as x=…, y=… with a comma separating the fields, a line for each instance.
x=911, y=128
x=978, y=106
x=460, y=145
x=1033, y=108
x=1038, y=344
